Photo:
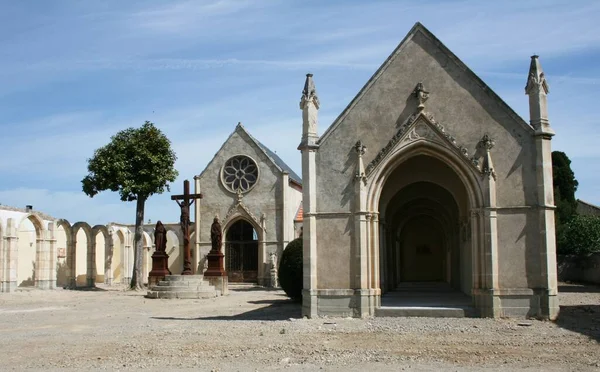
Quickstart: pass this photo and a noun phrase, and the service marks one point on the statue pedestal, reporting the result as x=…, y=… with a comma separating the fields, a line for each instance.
x=160, y=268
x=215, y=273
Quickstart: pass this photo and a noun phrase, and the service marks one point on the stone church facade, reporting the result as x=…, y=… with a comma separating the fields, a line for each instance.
x=256, y=197
x=428, y=176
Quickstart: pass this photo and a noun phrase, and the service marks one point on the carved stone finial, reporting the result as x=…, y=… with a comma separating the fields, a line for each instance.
x=309, y=93
x=360, y=167
x=421, y=94
x=536, y=81
x=487, y=143
x=360, y=148
x=240, y=196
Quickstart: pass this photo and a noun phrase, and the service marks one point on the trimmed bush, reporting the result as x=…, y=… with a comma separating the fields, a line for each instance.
x=580, y=236
x=290, y=270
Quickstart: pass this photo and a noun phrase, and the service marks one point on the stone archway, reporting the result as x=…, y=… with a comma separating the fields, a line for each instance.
x=242, y=251
x=29, y=249
x=424, y=224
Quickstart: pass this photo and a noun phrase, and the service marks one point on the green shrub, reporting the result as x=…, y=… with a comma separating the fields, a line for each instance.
x=580, y=236
x=290, y=270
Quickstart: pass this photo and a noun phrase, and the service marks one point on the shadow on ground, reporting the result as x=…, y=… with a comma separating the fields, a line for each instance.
x=579, y=288
x=581, y=318
x=277, y=310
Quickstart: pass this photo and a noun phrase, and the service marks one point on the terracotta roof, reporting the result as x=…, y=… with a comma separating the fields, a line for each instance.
x=299, y=215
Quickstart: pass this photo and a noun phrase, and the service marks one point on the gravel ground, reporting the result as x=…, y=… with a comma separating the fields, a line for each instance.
x=255, y=329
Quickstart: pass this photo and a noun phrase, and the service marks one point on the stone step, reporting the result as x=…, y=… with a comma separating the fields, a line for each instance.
x=181, y=294
x=186, y=283
x=423, y=311
x=174, y=288
x=178, y=278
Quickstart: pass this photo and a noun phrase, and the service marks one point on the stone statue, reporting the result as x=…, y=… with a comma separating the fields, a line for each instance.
x=184, y=220
x=160, y=237
x=216, y=235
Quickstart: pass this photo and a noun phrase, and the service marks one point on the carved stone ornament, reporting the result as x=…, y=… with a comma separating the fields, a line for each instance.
x=239, y=174
x=360, y=148
x=421, y=95
x=360, y=168
x=309, y=93
x=240, y=207
x=536, y=81
x=419, y=126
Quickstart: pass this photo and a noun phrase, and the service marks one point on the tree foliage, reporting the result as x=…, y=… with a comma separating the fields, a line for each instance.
x=290, y=270
x=565, y=186
x=580, y=236
x=136, y=163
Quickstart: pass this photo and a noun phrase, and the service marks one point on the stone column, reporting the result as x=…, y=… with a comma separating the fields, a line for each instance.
x=490, y=217
x=11, y=246
x=52, y=255
x=91, y=262
x=71, y=259
x=309, y=104
x=537, y=90
x=285, y=228
x=199, y=267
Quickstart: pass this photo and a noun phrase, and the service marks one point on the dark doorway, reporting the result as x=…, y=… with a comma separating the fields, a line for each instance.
x=241, y=253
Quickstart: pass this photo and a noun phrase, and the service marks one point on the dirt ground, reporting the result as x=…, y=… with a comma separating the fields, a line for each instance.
x=256, y=329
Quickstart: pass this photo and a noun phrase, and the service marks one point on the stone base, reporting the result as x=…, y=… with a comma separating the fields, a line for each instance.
x=8, y=287
x=183, y=287
x=516, y=303
x=219, y=282
x=355, y=303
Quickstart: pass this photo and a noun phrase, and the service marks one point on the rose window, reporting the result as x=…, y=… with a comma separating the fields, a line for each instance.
x=239, y=173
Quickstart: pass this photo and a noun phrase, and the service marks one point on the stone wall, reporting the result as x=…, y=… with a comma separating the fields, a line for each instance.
x=579, y=269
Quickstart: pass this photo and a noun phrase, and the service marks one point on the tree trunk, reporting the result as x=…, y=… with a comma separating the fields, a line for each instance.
x=136, y=279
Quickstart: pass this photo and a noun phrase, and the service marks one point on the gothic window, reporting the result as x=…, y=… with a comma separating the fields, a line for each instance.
x=239, y=173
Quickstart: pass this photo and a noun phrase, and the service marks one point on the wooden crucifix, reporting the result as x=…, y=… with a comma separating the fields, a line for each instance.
x=185, y=201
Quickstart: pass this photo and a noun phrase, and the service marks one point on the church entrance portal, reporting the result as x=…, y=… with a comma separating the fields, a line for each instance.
x=241, y=253
x=426, y=245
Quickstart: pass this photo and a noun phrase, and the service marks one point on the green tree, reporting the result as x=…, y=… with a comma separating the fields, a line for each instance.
x=580, y=236
x=290, y=270
x=138, y=162
x=565, y=186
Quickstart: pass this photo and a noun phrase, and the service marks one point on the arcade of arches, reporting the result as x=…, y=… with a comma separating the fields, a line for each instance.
x=46, y=253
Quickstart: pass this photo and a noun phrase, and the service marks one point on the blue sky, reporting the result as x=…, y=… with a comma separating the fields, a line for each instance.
x=73, y=73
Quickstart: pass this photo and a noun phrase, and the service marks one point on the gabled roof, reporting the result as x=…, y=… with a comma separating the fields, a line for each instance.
x=418, y=27
x=273, y=157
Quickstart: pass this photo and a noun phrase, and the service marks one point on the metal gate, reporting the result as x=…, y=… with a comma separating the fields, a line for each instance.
x=242, y=261
x=241, y=253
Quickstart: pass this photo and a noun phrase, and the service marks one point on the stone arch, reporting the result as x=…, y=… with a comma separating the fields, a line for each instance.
x=236, y=249
x=30, y=256
x=3, y=259
x=465, y=188
x=82, y=255
x=174, y=249
x=64, y=246
x=102, y=254
x=117, y=268
x=147, y=244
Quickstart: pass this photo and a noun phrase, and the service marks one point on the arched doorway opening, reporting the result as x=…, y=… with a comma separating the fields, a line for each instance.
x=241, y=252
x=425, y=246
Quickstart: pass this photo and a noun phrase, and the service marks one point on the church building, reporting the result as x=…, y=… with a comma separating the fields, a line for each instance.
x=256, y=197
x=428, y=176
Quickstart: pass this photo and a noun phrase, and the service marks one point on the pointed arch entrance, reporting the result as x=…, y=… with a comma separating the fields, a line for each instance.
x=241, y=252
x=427, y=231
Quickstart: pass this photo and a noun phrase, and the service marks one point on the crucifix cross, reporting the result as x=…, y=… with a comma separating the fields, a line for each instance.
x=185, y=201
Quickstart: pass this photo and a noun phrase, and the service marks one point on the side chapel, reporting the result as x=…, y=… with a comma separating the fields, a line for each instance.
x=256, y=196
x=428, y=176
